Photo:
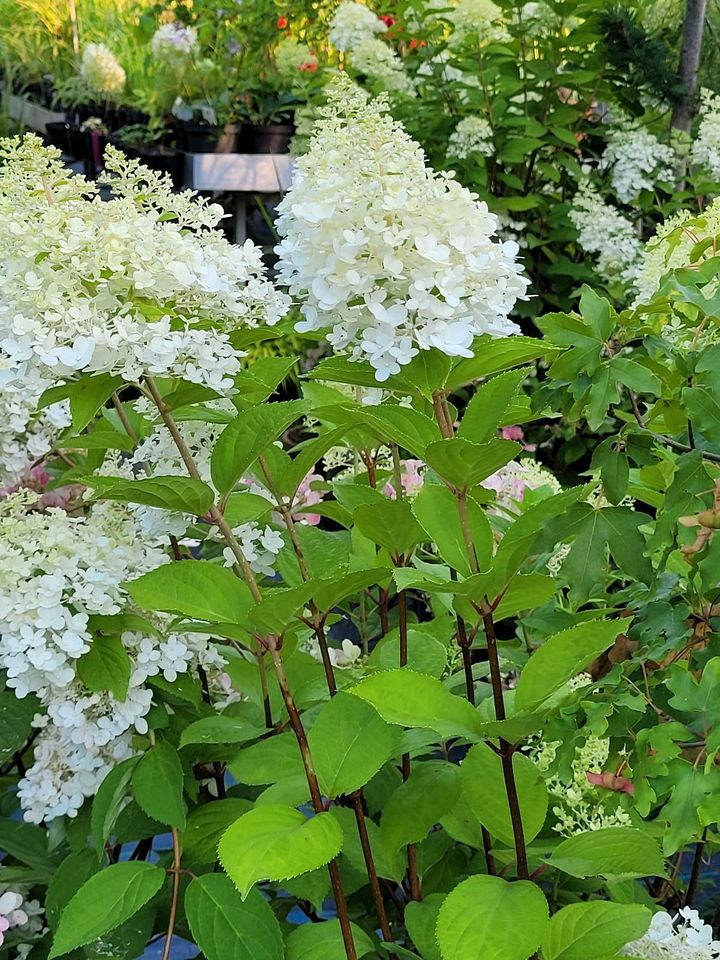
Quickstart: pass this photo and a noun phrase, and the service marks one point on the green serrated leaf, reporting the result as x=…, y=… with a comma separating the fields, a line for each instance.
x=105, y=901
x=276, y=843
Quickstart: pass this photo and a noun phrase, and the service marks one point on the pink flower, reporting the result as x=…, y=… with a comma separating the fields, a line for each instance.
x=516, y=433
x=411, y=477
x=306, y=497
x=611, y=781
x=4, y=924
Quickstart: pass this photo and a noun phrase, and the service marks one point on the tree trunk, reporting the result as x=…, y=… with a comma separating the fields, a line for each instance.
x=693, y=25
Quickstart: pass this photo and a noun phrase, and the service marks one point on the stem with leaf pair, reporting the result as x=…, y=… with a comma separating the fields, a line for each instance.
x=413, y=876
x=318, y=626
x=444, y=419
x=271, y=644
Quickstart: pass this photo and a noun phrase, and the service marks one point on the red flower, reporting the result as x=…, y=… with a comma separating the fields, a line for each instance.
x=282, y=22
x=387, y=20
x=310, y=66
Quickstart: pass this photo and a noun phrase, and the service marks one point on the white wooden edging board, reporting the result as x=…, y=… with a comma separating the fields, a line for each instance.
x=238, y=172
x=31, y=114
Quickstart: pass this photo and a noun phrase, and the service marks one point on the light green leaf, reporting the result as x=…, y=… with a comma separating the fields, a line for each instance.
x=593, y=931
x=390, y=524
x=245, y=438
x=323, y=941
x=525, y=592
x=227, y=928
x=168, y=493
x=106, y=666
x=157, y=785
x=416, y=700
x=491, y=355
x=436, y=509
x=106, y=900
x=331, y=592
x=481, y=775
x=86, y=396
x=349, y=743
x=486, y=410
x=464, y=464
x=616, y=853
x=493, y=919
x=277, y=843
x=561, y=657
x=268, y=760
x=109, y=801
x=431, y=791
x=206, y=824
x=194, y=588
x=421, y=920
x=220, y=729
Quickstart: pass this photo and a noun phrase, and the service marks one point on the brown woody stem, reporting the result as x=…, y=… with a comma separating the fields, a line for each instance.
x=272, y=644
x=175, y=894
x=506, y=749
x=318, y=626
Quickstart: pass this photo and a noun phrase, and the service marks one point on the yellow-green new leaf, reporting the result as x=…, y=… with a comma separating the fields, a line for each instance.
x=594, y=930
x=349, y=743
x=492, y=919
x=277, y=843
x=417, y=700
x=561, y=657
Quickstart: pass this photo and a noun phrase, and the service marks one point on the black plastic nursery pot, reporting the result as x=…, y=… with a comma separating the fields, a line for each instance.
x=57, y=134
x=205, y=138
x=270, y=138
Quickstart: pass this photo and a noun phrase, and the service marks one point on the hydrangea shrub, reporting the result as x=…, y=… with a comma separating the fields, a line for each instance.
x=383, y=683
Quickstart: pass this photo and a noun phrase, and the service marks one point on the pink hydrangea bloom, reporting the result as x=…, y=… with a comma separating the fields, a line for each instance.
x=412, y=478
x=305, y=497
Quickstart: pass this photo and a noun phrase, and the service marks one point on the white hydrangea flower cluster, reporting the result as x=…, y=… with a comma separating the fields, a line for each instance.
x=260, y=545
x=347, y=655
x=26, y=436
x=352, y=23
x=671, y=247
x=393, y=257
x=512, y=481
x=56, y=572
x=705, y=150
x=482, y=18
x=606, y=233
x=472, y=135
x=137, y=284
x=637, y=161
x=174, y=42
x=101, y=71
x=382, y=66
x=580, y=806
x=682, y=937
x=64, y=775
